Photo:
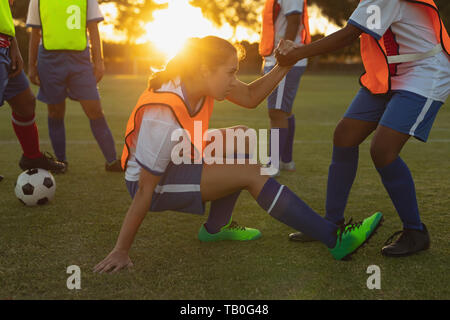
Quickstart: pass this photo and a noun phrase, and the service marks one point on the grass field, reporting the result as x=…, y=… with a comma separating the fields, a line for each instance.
x=81, y=225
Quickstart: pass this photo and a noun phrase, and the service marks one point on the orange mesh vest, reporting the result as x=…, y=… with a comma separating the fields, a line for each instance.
x=181, y=112
x=270, y=14
x=377, y=78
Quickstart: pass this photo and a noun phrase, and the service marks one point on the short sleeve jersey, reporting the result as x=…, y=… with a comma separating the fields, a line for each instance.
x=414, y=33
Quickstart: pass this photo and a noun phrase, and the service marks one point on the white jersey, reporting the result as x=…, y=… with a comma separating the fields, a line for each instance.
x=287, y=7
x=154, y=145
x=414, y=33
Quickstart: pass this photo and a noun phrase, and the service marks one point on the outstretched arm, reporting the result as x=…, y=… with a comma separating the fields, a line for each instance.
x=118, y=258
x=251, y=95
x=333, y=42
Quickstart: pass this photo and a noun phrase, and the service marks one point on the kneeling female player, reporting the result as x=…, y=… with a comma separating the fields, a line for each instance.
x=181, y=94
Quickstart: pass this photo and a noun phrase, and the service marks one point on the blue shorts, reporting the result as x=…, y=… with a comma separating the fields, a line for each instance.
x=65, y=74
x=10, y=87
x=282, y=98
x=400, y=110
x=178, y=189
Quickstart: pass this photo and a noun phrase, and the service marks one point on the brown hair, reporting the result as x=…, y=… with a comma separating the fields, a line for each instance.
x=210, y=51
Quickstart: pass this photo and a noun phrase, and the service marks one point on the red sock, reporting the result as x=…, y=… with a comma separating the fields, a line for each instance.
x=27, y=133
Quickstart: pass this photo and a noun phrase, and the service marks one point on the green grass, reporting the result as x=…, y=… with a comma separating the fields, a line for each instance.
x=81, y=225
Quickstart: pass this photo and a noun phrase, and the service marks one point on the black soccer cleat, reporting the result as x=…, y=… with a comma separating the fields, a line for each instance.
x=410, y=241
x=46, y=161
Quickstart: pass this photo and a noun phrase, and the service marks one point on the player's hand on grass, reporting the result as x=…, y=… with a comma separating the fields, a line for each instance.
x=114, y=262
x=33, y=75
x=99, y=70
x=16, y=59
x=285, y=52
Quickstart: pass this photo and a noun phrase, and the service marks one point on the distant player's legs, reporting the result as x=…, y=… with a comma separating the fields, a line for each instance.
x=280, y=103
x=279, y=121
x=101, y=132
x=56, y=129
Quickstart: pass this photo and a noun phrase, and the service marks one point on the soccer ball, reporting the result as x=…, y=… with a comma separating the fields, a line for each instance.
x=35, y=187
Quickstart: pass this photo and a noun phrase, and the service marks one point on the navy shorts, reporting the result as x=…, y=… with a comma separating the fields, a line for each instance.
x=65, y=73
x=10, y=87
x=400, y=110
x=282, y=98
x=178, y=189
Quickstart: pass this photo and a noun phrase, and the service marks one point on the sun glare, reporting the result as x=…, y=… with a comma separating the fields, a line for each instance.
x=172, y=26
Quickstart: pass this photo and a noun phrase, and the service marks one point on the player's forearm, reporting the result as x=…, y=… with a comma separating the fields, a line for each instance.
x=338, y=40
x=96, y=43
x=251, y=95
x=33, y=46
x=262, y=87
x=134, y=217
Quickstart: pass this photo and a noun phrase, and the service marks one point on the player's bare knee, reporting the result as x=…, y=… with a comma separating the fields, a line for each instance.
x=381, y=155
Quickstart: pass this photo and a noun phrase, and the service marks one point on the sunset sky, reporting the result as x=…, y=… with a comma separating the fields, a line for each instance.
x=169, y=39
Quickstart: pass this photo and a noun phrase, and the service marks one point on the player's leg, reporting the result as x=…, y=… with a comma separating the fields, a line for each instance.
x=280, y=104
x=239, y=148
x=102, y=133
x=359, y=121
x=281, y=203
x=57, y=130
x=24, y=125
x=407, y=114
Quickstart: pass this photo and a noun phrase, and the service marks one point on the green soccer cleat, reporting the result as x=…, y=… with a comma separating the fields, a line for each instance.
x=351, y=236
x=232, y=231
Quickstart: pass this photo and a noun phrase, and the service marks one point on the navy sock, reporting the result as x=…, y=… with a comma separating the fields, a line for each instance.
x=220, y=212
x=341, y=174
x=282, y=138
x=399, y=184
x=104, y=138
x=286, y=154
x=57, y=133
x=282, y=204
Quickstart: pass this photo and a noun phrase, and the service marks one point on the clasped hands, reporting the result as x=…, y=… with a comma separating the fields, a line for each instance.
x=286, y=53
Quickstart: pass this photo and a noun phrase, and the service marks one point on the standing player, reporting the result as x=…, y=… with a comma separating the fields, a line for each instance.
x=61, y=65
x=15, y=89
x=181, y=94
x=284, y=19
x=405, y=49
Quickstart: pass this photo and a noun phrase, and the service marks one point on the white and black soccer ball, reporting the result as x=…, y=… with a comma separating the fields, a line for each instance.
x=35, y=187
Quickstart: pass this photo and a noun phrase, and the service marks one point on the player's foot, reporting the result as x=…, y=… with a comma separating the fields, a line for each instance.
x=232, y=231
x=287, y=166
x=66, y=164
x=409, y=242
x=351, y=236
x=46, y=161
x=1, y=177
x=114, y=166
x=301, y=237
